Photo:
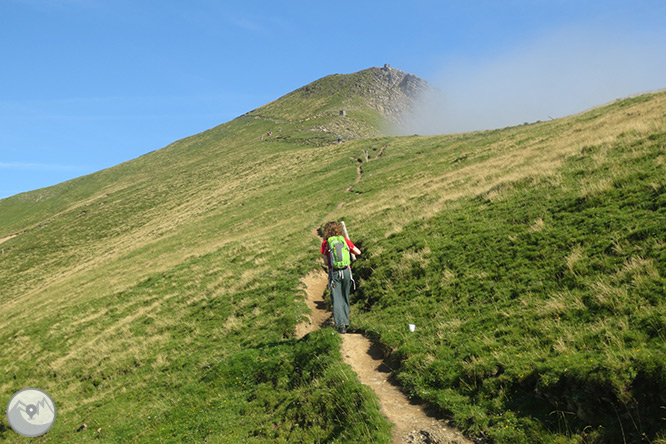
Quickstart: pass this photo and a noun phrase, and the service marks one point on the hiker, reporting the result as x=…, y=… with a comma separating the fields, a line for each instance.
x=336, y=249
x=339, y=139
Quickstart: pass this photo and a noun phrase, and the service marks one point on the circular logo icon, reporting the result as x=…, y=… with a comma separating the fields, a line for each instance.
x=31, y=412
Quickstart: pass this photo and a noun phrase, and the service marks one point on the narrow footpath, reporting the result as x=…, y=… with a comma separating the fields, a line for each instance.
x=412, y=424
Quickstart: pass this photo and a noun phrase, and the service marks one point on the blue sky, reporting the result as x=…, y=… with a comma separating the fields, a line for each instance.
x=88, y=84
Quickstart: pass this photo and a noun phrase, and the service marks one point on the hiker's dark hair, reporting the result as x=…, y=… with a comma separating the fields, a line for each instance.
x=333, y=229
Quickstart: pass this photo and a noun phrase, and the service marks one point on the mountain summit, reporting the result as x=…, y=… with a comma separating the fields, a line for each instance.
x=374, y=100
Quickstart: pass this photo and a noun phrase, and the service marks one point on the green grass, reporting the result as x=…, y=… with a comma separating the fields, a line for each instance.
x=156, y=301
x=540, y=313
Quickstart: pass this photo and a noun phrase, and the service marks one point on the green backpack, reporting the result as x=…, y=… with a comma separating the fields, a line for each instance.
x=339, y=252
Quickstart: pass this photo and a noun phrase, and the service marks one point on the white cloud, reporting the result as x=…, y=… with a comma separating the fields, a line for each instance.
x=557, y=75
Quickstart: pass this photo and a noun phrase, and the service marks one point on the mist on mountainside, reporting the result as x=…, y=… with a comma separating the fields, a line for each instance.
x=558, y=75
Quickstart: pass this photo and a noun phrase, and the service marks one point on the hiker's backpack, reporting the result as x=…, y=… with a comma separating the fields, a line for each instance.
x=339, y=252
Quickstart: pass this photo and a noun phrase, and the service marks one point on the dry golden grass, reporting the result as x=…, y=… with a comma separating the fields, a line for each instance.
x=538, y=225
x=576, y=255
x=513, y=160
x=100, y=344
x=560, y=303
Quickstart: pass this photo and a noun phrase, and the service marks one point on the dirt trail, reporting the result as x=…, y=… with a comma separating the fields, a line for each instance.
x=359, y=175
x=412, y=424
x=5, y=239
x=315, y=284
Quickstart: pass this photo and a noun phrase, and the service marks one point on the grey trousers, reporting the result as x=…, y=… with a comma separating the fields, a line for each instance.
x=341, y=282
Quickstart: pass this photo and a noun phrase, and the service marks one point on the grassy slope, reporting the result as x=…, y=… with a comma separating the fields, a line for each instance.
x=163, y=286
x=539, y=298
x=142, y=288
x=540, y=310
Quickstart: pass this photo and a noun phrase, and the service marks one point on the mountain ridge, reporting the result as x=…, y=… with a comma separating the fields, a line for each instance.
x=389, y=91
x=371, y=102
x=317, y=124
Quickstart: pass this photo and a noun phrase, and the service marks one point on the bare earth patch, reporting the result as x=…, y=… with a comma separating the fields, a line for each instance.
x=5, y=239
x=315, y=284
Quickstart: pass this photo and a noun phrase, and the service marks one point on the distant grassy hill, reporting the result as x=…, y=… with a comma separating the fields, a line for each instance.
x=156, y=300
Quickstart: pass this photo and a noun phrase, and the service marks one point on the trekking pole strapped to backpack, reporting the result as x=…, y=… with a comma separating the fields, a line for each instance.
x=344, y=229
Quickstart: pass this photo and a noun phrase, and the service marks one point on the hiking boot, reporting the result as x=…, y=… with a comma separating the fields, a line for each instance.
x=343, y=330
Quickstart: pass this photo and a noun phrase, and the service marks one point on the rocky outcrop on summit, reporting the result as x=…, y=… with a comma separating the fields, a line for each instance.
x=392, y=92
x=367, y=103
